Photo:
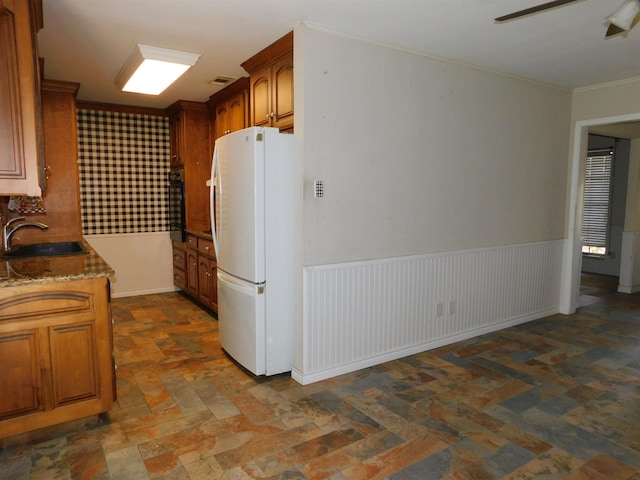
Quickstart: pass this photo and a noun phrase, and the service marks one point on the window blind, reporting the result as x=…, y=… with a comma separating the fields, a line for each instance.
x=597, y=197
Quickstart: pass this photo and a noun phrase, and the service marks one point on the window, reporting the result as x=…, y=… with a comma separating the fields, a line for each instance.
x=597, y=199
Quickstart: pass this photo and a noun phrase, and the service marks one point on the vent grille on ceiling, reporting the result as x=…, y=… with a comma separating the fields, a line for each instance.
x=220, y=80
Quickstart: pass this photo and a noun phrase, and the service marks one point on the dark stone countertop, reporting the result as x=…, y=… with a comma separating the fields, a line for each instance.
x=199, y=234
x=26, y=271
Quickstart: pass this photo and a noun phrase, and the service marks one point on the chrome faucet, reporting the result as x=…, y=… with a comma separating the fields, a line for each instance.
x=8, y=230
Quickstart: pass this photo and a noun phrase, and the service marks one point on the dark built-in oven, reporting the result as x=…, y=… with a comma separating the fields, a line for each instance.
x=177, y=226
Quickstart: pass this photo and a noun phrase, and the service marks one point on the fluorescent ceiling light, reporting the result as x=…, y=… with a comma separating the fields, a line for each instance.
x=150, y=70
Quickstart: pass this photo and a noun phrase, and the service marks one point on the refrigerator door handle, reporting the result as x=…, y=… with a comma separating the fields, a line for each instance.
x=214, y=185
x=239, y=285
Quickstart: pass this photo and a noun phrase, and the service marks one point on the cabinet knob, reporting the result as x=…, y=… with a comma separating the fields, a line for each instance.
x=267, y=115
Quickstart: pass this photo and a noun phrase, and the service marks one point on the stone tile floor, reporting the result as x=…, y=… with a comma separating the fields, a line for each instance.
x=557, y=398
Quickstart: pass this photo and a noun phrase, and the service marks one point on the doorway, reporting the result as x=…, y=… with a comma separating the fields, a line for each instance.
x=572, y=263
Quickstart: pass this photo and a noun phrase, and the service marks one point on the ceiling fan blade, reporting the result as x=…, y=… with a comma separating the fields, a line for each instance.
x=536, y=9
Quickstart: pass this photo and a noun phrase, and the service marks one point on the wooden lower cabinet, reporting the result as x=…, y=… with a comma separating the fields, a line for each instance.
x=74, y=368
x=207, y=282
x=179, y=265
x=192, y=272
x=200, y=270
x=20, y=355
x=56, y=354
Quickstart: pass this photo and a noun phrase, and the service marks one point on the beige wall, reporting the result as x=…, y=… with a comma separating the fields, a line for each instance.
x=420, y=155
x=424, y=158
x=608, y=100
x=632, y=212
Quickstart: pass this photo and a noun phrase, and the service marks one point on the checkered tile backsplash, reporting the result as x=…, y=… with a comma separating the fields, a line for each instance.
x=123, y=164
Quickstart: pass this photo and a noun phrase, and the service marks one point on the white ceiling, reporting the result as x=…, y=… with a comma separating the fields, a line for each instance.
x=87, y=41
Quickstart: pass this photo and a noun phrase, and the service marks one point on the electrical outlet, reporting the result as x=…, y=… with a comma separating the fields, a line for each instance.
x=439, y=309
x=452, y=307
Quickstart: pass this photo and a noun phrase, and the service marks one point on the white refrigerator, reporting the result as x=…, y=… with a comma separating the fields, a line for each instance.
x=252, y=183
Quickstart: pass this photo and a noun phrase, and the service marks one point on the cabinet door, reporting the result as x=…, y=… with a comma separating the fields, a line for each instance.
x=282, y=93
x=175, y=139
x=179, y=258
x=11, y=155
x=61, y=155
x=179, y=279
x=222, y=120
x=197, y=167
x=192, y=272
x=237, y=109
x=21, y=381
x=179, y=268
x=261, y=98
x=74, y=361
x=213, y=276
x=204, y=279
x=20, y=132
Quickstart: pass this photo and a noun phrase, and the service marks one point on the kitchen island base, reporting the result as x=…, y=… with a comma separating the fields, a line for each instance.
x=55, y=352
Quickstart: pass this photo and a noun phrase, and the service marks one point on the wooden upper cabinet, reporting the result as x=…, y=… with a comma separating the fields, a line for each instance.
x=261, y=110
x=221, y=121
x=175, y=139
x=271, y=87
x=189, y=140
x=62, y=197
x=20, y=128
x=229, y=108
x=236, y=112
x=282, y=93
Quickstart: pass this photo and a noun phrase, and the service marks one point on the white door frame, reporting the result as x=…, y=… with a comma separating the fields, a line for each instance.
x=572, y=255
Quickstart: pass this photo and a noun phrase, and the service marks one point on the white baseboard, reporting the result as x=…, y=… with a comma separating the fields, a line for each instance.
x=405, y=352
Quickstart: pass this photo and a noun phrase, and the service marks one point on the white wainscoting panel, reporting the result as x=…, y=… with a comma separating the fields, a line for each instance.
x=365, y=313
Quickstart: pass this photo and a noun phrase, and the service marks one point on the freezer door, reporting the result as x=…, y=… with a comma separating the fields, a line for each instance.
x=240, y=205
x=241, y=321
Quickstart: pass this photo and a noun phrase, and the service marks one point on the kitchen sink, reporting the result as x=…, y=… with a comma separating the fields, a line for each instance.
x=45, y=250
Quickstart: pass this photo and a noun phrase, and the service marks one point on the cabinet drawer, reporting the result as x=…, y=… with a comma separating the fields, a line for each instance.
x=192, y=241
x=206, y=247
x=47, y=301
x=180, y=278
x=179, y=258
